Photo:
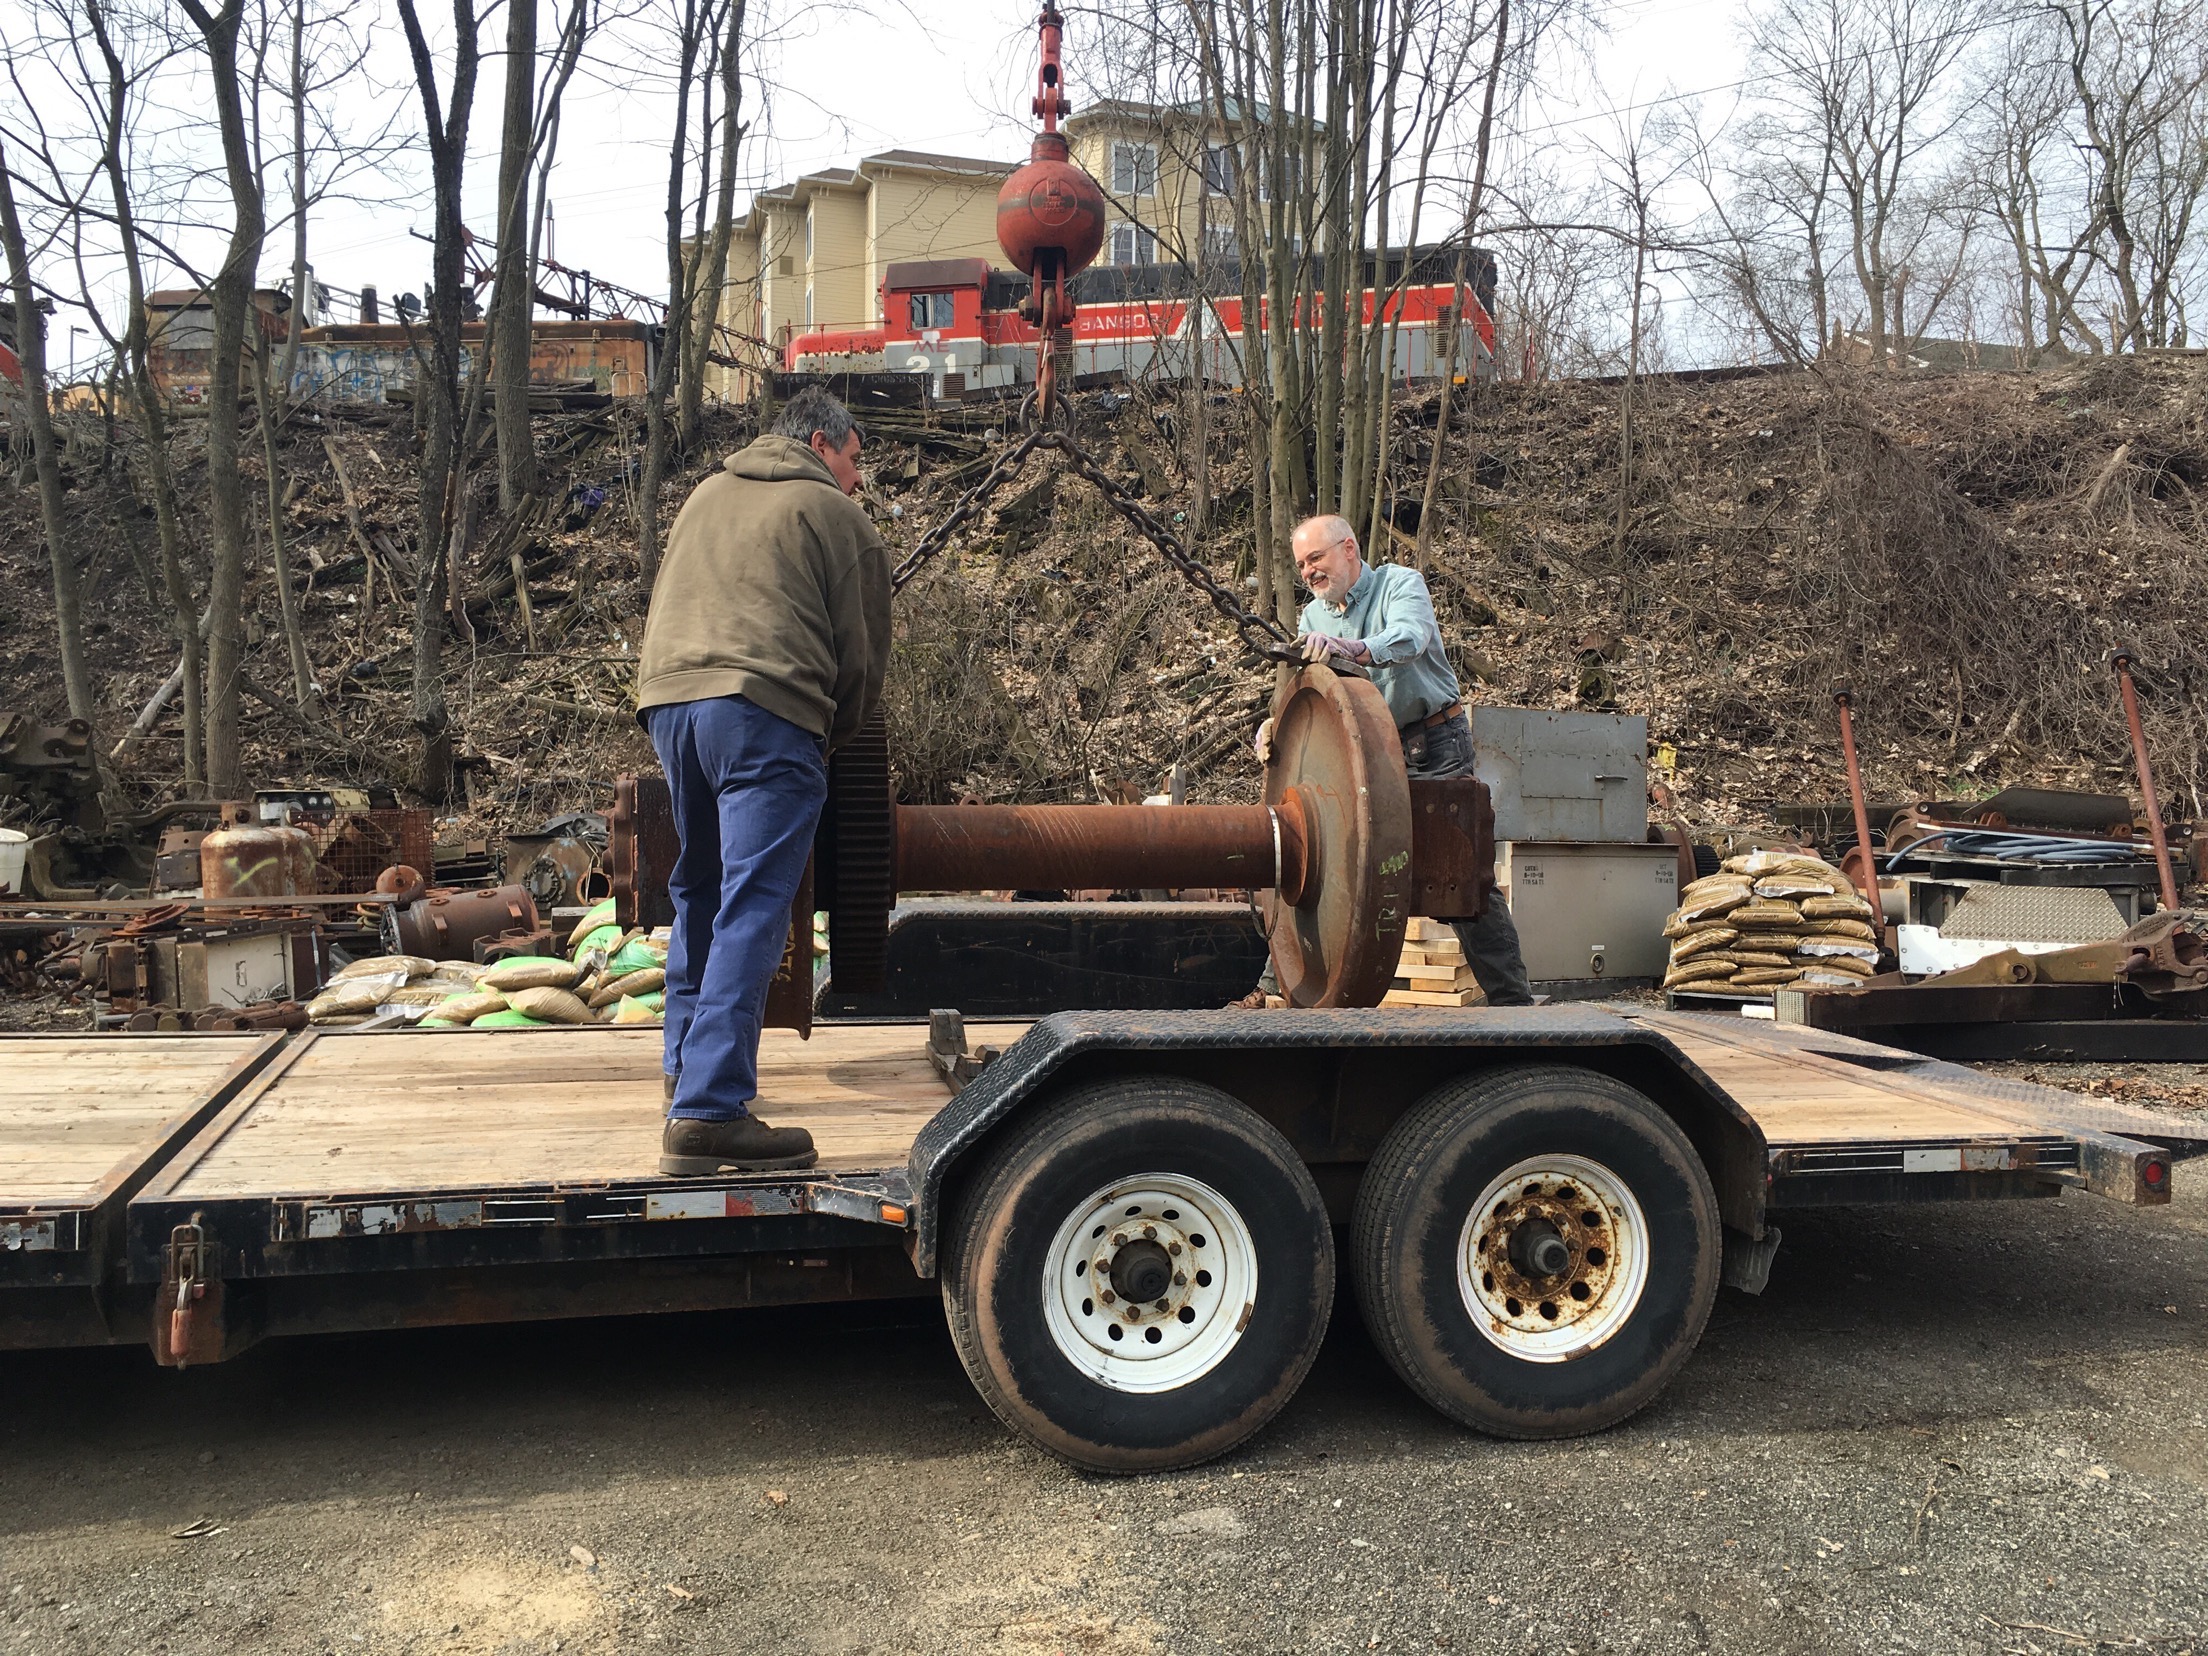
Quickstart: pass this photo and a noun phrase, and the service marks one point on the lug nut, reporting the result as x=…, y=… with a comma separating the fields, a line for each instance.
x=1150, y=1233
x=1119, y=1239
x=1107, y=1296
x=1180, y=1279
x=1172, y=1247
x=1165, y=1305
x=1134, y=1313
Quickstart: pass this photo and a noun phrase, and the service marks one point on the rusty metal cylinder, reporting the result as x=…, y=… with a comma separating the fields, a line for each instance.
x=447, y=925
x=1048, y=847
x=242, y=859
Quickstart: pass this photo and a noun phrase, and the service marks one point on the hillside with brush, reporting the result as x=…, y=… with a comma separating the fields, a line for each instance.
x=1962, y=549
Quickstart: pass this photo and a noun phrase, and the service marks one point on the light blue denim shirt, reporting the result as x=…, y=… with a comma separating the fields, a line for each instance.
x=1389, y=608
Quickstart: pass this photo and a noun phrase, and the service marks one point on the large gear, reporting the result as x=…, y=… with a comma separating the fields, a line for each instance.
x=854, y=856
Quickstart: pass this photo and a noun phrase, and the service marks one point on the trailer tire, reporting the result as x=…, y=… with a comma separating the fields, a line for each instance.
x=1054, y=1221
x=1536, y=1250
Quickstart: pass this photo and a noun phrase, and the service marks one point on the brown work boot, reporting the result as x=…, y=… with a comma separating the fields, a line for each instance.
x=690, y=1149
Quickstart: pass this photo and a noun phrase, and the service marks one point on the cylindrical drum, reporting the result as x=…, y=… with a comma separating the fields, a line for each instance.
x=1029, y=847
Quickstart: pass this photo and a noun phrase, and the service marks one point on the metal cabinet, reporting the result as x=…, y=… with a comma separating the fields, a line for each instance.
x=1563, y=776
x=1590, y=911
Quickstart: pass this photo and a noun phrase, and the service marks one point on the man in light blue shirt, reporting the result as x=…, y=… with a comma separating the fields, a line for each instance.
x=1381, y=617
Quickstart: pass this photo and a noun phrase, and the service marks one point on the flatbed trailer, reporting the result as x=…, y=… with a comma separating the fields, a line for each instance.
x=1131, y=1218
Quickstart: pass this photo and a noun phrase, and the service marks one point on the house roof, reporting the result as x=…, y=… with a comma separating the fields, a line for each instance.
x=937, y=163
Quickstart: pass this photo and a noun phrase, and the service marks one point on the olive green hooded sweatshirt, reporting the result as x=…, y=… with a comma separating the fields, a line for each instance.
x=775, y=587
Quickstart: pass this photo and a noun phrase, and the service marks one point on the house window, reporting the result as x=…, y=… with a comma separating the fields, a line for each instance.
x=808, y=234
x=1135, y=169
x=1133, y=245
x=1219, y=244
x=808, y=304
x=930, y=310
x=1222, y=168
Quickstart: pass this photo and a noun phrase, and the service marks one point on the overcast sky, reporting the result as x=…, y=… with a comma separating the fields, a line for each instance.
x=954, y=78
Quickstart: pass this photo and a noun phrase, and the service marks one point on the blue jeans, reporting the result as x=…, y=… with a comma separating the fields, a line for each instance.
x=748, y=787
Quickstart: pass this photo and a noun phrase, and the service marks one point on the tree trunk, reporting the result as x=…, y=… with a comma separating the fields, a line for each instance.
x=300, y=298
x=711, y=277
x=1462, y=297
x=30, y=350
x=230, y=299
x=287, y=601
x=656, y=431
x=437, y=402
x=513, y=300
x=184, y=610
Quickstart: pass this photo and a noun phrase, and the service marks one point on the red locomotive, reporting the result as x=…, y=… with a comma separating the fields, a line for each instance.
x=958, y=323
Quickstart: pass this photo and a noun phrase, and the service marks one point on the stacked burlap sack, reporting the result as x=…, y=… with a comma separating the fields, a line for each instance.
x=1767, y=920
x=609, y=976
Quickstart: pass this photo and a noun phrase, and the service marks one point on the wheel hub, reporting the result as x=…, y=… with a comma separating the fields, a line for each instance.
x=1151, y=1282
x=1553, y=1258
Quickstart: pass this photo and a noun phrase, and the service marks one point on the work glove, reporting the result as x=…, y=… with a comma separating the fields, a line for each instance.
x=1318, y=647
x=1262, y=743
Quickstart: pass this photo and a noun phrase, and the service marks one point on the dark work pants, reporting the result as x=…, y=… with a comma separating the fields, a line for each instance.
x=748, y=787
x=1491, y=941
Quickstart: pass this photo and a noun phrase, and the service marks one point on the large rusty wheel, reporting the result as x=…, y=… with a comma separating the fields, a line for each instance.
x=1336, y=775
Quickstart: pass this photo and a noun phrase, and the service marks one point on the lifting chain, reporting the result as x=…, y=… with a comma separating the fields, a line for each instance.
x=1261, y=634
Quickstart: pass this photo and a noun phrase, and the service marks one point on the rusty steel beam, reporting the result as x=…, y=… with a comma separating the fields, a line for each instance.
x=2121, y=659
x=1053, y=847
x=1844, y=699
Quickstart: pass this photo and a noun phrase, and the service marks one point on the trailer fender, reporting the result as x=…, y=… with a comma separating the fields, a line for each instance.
x=1333, y=1082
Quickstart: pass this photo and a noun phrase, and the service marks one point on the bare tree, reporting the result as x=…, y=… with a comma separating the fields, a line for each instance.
x=230, y=299
x=30, y=350
x=437, y=403
x=2137, y=70
x=709, y=271
x=324, y=66
x=1316, y=125
x=705, y=34
x=513, y=299
x=1862, y=83
x=119, y=84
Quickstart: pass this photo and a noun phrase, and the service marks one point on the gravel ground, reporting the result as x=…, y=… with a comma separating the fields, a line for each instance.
x=1951, y=1429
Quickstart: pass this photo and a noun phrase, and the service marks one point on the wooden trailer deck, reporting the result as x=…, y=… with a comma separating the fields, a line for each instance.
x=409, y=1111
x=83, y=1123
x=390, y=1113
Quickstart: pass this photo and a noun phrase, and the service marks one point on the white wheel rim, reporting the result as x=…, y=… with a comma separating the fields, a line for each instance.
x=1159, y=1230
x=1556, y=1316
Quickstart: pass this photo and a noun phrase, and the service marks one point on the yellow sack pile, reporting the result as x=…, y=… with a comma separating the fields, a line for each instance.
x=1768, y=919
x=619, y=978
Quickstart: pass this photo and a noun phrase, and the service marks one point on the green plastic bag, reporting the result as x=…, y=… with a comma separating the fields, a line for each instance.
x=603, y=937
x=509, y=1019
x=635, y=955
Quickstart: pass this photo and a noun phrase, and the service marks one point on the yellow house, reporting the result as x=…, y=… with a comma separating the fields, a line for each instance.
x=810, y=253
x=1171, y=175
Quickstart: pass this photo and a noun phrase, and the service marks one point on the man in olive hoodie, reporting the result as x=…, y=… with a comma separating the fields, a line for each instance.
x=765, y=649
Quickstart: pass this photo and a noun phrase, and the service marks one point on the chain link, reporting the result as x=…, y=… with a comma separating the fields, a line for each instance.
x=1260, y=633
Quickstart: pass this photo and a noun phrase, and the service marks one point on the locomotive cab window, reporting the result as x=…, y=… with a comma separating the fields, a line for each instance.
x=931, y=310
